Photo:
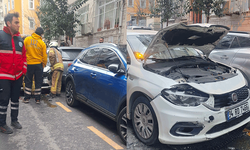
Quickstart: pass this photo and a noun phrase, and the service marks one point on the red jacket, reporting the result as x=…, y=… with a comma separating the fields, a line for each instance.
x=12, y=55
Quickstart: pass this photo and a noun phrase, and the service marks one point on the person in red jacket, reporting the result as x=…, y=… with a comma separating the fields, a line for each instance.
x=13, y=66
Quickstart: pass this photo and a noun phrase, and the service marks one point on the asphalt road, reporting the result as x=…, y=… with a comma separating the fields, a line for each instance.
x=53, y=125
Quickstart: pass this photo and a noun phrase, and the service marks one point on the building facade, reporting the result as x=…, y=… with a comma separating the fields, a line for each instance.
x=101, y=18
x=27, y=11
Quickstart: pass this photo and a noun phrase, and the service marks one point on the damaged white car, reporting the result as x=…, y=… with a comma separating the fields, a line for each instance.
x=175, y=95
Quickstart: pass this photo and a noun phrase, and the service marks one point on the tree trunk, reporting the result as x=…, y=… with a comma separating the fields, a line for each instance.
x=207, y=19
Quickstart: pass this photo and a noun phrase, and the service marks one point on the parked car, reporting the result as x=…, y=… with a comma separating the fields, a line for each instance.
x=234, y=50
x=68, y=55
x=176, y=96
x=97, y=78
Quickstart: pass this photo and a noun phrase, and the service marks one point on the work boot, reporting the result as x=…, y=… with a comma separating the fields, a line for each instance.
x=51, y=96
x=38, y=101
x=5, y=129
x=16, y=125
x=25, y=100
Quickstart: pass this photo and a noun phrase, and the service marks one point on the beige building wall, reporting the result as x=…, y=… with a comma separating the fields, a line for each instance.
x=92, y=33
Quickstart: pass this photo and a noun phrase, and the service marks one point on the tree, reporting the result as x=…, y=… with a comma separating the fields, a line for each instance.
x=140, y=11
x=58, y=18
x=208, y=7
x=167, y=9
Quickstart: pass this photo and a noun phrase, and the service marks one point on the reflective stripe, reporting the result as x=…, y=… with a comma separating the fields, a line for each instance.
x=37, y=93
x=17, y=52
x=3, y=107
x=29, y=93
x=15, y=108
x=28, y=89
x=38, y=89
x=19, y=74
x=7, y=75
x=58, y=65
x=6, y=51
x=25, y=63
x=25, y=67
x=3, y=113
x=16, y=103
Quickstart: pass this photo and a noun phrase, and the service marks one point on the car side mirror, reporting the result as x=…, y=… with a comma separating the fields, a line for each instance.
x=113, y=68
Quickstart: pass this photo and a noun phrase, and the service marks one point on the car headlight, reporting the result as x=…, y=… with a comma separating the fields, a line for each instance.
x=184, y=95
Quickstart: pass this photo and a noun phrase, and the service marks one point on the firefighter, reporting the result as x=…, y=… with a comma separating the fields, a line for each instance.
x=56, y=62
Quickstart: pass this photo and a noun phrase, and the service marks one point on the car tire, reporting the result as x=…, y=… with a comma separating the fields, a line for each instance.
x=70, y=94
x=144, y=121
x=121, y=125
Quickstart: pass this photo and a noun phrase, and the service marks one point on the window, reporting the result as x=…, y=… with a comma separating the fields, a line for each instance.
x=70, y=54
x=235, y=44
x=143, y=3
x=90, y=56
x=31, y=4
x=12, y=4
x=83, y=12
x=151, y=4
x=130, y=3
x=5, y=8
x=107, y=58
x=108, y=15
x=225, y=42
x=8, y=5
x=244, y=41
x=32, y=23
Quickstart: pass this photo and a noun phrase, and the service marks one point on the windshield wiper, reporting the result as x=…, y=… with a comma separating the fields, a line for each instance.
x=187, y=57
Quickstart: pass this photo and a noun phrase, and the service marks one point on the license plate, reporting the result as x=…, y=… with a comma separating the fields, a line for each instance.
x=237, y=111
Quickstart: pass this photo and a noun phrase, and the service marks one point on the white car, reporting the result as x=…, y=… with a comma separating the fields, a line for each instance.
x=176, y=96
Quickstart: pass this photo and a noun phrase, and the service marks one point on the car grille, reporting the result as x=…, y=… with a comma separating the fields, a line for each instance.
x=229, y=124
x=226, y=100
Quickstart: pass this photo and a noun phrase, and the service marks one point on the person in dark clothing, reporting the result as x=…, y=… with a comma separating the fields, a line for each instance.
x=13, y=66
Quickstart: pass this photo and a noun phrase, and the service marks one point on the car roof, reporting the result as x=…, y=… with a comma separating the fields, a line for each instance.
x=136, y=32
x=104, y=44
x=239, y=33
x=69, y=47
x=139, y=28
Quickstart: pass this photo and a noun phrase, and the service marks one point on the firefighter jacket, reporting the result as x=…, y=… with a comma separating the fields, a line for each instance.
x=35, y=50
x=55, y=59
x=12, y=55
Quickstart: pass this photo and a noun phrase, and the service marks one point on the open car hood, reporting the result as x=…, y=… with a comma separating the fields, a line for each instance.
x=200, y=36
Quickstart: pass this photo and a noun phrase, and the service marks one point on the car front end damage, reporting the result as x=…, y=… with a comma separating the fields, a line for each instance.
x=186, y=115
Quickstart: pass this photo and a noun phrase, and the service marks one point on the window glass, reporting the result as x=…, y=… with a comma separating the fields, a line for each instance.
x=106, y=58
x=12, y=3
x=225, y=42
x=244, y=41
x=130, y=3
x=32, y=23
x=90, y=56
x=31, y=4
x=235, y=43
x=70, y=54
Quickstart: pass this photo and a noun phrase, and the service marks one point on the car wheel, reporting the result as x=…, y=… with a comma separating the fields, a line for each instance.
x=70, y=94
x=121, y=125
x=144, y=121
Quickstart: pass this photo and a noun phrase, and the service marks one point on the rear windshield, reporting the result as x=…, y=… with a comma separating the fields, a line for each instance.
x=70, y=54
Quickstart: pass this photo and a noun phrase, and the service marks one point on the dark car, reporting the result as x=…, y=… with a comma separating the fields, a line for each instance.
x=68, y=55
x=97, y=78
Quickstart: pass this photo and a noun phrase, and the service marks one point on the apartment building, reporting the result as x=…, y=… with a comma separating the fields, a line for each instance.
x=27, y=11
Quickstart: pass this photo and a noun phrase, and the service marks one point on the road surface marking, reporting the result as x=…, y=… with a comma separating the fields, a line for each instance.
x=105, y=138
x=64, y=107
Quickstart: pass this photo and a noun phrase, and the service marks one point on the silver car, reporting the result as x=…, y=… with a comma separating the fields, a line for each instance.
x=68, y=55
x=234, y=50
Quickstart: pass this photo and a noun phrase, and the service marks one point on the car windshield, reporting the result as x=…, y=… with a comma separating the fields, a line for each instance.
x=70, y=54
x=139, y=43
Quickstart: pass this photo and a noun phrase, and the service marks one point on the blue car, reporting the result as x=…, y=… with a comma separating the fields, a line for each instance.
x=97, y=78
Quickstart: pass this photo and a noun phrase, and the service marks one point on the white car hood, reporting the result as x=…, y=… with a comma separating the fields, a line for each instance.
x=201, y=36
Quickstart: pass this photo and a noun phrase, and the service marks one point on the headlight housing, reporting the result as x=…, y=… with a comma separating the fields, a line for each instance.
x=184, y=95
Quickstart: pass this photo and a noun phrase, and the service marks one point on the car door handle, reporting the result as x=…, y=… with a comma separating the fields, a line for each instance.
x=93, y=75
x=224, y=57
x=75, y=69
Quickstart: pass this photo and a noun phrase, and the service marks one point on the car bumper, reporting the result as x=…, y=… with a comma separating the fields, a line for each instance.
x=186, y=125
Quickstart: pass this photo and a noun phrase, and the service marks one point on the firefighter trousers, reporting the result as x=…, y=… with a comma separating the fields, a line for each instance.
x=56, y=82
x=37, y=71
x=9, y=90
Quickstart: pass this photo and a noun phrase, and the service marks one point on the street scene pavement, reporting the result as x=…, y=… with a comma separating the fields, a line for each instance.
x=52, y=125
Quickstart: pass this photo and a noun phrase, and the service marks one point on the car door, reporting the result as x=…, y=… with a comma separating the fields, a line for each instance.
x=226, y=49
x=108, y=88
x=83, y=68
